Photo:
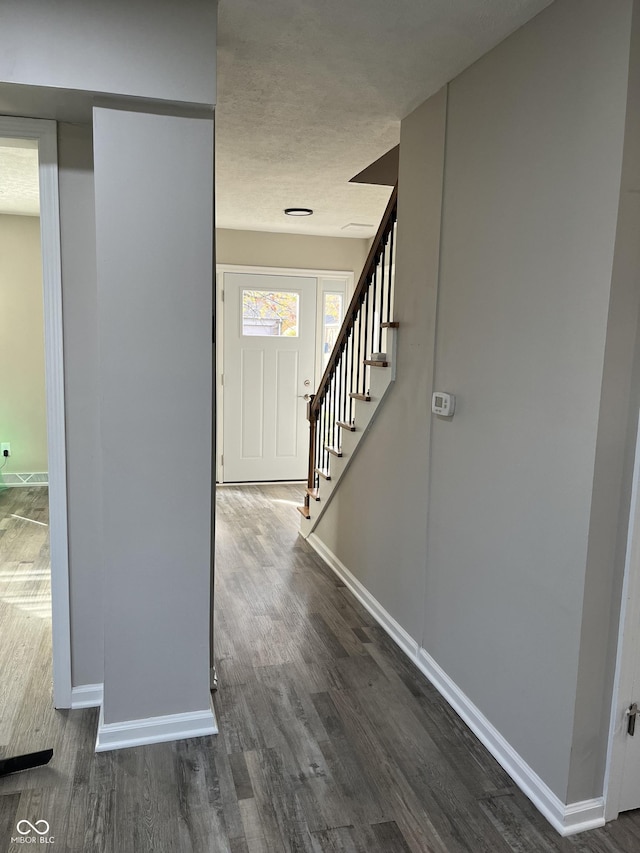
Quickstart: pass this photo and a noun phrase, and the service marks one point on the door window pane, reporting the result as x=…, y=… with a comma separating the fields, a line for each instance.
x=331, y=321
x=270, y=313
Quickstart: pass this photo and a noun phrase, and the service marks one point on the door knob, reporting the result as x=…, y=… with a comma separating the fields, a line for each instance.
x=304, y=397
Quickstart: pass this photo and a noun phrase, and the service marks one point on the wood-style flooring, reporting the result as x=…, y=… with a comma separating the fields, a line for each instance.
x=330, y=740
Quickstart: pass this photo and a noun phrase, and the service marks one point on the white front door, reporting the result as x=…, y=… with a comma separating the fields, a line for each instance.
x=268, y=364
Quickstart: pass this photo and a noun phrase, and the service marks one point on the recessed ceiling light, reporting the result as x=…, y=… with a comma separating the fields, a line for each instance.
x=298, y=211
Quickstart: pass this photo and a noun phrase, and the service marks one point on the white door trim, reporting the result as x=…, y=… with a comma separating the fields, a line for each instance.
x=45, y=132
x=628, y=645
x=221, y=269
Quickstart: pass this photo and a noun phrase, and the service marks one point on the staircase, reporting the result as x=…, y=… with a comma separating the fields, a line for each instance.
x=360, y=372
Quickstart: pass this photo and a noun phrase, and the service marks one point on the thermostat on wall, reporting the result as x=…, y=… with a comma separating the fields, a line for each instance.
x=443, y=404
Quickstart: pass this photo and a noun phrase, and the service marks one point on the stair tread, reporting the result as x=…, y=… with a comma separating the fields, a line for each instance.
x=347, y=426
x=390, y=325
x=314, y=493
x=304, y=510
x=335, y=451
x=324, y=473
x=371, y=363
x=364, y=397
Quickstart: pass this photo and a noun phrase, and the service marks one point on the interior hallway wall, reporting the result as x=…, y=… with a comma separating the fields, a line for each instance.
x=55, y=63
x=299, y=251
x=497, y=526
x=532, y=181
x=23, y=415
x=383, y=539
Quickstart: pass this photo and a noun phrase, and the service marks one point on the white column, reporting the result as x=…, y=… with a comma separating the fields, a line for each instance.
x=154, y=227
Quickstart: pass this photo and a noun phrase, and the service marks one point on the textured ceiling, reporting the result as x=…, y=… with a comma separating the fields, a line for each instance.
x=310, y=92
x=19, y=177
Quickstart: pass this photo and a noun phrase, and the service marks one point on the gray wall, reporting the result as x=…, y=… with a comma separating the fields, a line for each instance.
x=154, y=225
x=117, y=47
x=389, y=556
x=53, y=58
x=533, y=163
x=533, y=159
x=259, y=248
x=80, y=325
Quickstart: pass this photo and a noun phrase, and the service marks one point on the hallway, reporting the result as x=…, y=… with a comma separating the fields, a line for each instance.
x=330, y=740
x=336, y=741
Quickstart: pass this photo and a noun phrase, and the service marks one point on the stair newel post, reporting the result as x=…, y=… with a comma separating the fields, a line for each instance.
x=312, y=417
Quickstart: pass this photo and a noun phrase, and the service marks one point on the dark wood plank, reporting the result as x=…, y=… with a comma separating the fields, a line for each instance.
x=8, y=810
x=362, y=635
x=389, y=836
x=241, y=779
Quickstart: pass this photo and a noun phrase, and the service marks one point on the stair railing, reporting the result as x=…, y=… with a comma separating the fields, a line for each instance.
x=362, y=335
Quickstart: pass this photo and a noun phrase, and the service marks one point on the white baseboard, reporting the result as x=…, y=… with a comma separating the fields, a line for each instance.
x=154, y=729
x=86, y=696
x=567, y=819
x=397, y=633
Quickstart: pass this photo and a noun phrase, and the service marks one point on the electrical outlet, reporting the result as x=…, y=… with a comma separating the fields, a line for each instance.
x=6, y=445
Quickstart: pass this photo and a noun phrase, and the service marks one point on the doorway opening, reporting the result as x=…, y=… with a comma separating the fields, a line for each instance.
x=275, y=330
x=34, y=572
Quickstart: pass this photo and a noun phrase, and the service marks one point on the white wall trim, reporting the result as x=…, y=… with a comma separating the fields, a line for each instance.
x=44, y=131
x=397, y=633
x=86, y=696
x=298, y=272
x=567, y=819
x=154, y=729
x=627, y=651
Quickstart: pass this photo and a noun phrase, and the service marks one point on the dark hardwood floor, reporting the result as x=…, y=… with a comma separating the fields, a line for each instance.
x=330, y=740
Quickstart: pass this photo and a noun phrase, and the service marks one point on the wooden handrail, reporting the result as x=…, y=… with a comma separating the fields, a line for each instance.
x=330, y=408
x=386, y=225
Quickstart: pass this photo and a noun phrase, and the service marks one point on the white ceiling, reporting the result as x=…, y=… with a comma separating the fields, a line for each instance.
x=310, y=92
x=19, y=193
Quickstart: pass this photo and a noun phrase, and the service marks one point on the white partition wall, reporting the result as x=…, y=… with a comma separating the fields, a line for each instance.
x=154, y=223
